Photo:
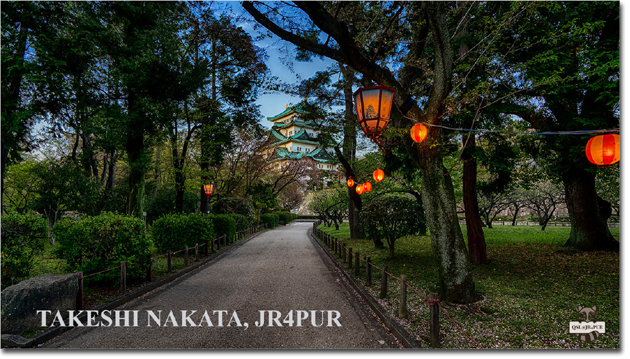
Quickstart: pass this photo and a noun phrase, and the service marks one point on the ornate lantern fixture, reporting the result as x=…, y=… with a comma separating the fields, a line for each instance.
x=418, y=132
x=208, y=189
x=603, y=150
x=350, y=182
x=379, y=175
x=367, y=187
x=373, y=106
x=360, y=189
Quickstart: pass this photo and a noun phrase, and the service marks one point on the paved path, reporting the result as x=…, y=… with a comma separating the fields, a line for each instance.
x=278, y=270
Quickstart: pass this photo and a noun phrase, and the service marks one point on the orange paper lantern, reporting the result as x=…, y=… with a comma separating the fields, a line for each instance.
x=603, y=150
x=418, y=132
x=379, y=175
x=350, y=182
x=367, y=186
x=360, y=188
x=374, y=107
x=208, y=189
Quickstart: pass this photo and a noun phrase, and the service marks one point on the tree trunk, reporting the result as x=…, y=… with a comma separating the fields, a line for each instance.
x=447, y=241
x=476, y=238
x=589, y=227
x=391, y=249
x=111, y=171
x=138, y=159
x=516, y=209
x=349, y=147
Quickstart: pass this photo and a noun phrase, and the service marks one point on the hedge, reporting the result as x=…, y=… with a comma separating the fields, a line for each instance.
x=175, y=231
x=223, y=224
x=270, y=219
x=284, y=217
x=242, y=222
x=95, y=243
x=23, y=237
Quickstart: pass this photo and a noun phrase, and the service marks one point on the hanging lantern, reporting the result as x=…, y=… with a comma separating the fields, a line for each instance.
x=379, y=175
x=373, y=106
x=418, y=132
x=360, y=188
x=350, y=182
x=367, y=187
x=208, y=189
x=603, y=150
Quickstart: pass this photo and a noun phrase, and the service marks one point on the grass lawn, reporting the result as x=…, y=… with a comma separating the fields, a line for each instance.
x=531, y=289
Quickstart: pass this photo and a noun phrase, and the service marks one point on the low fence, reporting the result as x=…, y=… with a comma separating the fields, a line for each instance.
x=354, y=264
x=214, y=245
x=526, y=223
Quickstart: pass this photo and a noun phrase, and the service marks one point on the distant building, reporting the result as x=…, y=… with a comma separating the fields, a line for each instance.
x=293, y=138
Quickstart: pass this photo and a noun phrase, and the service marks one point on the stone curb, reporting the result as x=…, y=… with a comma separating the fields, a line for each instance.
x=17, y=341
x=396, y=329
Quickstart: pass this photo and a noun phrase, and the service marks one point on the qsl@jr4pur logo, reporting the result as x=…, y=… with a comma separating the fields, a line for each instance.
x=587, y=329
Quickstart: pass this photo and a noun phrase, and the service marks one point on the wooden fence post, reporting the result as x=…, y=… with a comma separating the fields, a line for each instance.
x=434, y=322
x=368, y=271
x=207, y=247
x=402, y=312
x=383, y=282
x=343, y=252
x=123, y=277
x=196, y=252
x=357, y=265
x=218, y=242
x=80, y=292
x=349, y=258
x=169, y=260
x=186, y=256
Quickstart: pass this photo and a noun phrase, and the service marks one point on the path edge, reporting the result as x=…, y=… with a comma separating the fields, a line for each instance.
x=396, y=329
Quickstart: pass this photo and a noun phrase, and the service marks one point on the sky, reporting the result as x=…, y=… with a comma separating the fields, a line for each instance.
x=273, y=104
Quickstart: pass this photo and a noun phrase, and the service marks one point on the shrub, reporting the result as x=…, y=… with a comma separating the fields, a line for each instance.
x=392, y=217
x=23, y=237
x=270, y=219
x=242, y=222
x=284, y=217
x=164, y=203
x=307, y=216
x=174, y=231
x=234, y=205
x=100, y=242
x=223, y=224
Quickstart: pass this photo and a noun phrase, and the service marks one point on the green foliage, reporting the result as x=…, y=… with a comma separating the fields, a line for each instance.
x=284, y=217
x=22, y=238
x=392, y=217
x=235, y=205
x=263, y=196
x=223, y=224
x=174, y=231
x=270, y=219
x=95, y=243
x=164, y=203
x=242, y=222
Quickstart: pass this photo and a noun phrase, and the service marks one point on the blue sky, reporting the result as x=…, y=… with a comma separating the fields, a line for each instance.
x=273, y=104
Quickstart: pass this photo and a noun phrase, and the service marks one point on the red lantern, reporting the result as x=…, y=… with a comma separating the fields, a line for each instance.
x=360, y=188
x=379, y=175
x=418, y=132
x=208, y=189
x=367, y=186
x=373, y=106
x=603, y=150
x=350, y=182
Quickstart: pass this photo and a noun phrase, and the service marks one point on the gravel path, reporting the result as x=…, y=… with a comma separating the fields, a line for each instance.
x=278, y=270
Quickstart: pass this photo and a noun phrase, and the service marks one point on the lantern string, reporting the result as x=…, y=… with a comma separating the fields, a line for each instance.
x=581, y=132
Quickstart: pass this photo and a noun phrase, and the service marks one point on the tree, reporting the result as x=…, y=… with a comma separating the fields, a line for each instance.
x=544, y=197
x=330, y=205
x=391, y=217
x=575, y=59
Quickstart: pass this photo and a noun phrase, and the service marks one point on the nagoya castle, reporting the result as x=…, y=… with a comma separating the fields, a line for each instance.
x=293, y=138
